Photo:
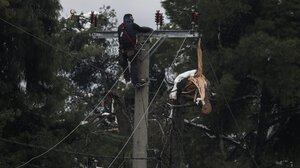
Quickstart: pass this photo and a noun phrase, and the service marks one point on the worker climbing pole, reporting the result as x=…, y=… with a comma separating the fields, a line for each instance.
x=197, y=82
x=127, y=32
x=141, y=56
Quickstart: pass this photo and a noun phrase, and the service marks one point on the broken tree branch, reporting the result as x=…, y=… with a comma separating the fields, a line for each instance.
x=182, y=105
x=209, y=131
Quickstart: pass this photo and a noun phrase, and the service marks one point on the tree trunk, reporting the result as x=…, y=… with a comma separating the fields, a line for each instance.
x=176, y=141
x=123, y=118
x=266, y=107
x=221, y=140
x=120, y=109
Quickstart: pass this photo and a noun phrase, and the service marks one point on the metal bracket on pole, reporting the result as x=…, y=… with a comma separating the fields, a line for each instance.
x=156, y=34
x=174, y=33
x=161, y=34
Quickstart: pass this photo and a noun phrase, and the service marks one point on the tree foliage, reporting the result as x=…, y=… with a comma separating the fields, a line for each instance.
x=251, y=57
x=53, y=75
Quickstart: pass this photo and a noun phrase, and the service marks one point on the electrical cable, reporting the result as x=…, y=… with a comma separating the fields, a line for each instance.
x=144, y=117
x=146, y=110
x=86, y=116
x=121, y=164
x=71, y=152
x=229, y=108
x=45, y=42
x=14, y=161
x=51, y=45
x=161, y=153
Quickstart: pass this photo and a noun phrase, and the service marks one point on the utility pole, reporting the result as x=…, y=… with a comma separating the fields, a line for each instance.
x=140, y=137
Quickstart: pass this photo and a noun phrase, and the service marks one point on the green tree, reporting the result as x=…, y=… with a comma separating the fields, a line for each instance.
x=33, y=92
x=93, y=71
x=253, y=49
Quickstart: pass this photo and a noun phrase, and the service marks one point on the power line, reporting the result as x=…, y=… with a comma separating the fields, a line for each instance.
x=146, y=110
x=71, y=152
x=44, y=41
x=87, y=115
x=121, y=164
x=51, y=45
x=161, y=153
x=14, y=161
x=229, y=108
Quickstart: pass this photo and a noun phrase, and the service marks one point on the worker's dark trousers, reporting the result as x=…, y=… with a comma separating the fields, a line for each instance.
x=133, y=66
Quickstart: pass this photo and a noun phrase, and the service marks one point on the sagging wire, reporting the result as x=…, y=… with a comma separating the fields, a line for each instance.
x=89, y=114
x=146, y=109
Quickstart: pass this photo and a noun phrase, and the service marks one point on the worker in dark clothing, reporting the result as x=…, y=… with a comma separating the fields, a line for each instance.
x=127, y=39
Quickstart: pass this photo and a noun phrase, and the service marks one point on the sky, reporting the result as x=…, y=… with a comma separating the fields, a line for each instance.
x=143, y=11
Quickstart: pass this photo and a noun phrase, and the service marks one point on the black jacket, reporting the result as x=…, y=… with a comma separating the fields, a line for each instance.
x=132, y=29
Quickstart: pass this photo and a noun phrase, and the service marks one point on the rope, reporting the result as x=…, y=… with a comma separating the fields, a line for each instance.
x=145, y=111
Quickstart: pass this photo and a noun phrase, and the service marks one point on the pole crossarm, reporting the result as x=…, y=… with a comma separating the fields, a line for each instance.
x=156, y=34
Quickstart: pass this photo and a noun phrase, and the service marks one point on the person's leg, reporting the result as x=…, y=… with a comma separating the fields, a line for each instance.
x=134, y=68
x=134, y=71
x=124, y=64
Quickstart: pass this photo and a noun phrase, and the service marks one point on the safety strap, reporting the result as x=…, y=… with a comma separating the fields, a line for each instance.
x=124, y=30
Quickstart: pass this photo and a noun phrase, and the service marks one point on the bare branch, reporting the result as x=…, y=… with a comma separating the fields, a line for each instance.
x=246, y=97
x=181, y=106
x=209, y=131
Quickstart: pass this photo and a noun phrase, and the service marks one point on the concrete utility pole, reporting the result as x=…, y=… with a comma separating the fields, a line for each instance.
x=140, y=137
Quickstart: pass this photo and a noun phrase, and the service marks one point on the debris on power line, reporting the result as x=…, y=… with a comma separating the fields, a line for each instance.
x=193, y=82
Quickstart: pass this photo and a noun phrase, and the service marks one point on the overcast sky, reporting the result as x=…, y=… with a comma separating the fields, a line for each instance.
x=143, y=11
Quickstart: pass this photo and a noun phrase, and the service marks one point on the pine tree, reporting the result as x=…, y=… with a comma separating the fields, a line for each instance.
x=253, y=49
x=33, y=91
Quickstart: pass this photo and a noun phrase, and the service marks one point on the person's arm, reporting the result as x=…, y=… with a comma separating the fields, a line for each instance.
x=142, y=29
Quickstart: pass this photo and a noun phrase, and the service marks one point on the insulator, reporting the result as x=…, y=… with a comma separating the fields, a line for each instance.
x=157, y=17
x=161, y=19
x=196, y=18
x=92, y=17
x=193, y=16
x=95, y=20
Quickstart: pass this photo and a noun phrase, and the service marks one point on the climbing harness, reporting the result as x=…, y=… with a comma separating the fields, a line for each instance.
x=124, y=31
